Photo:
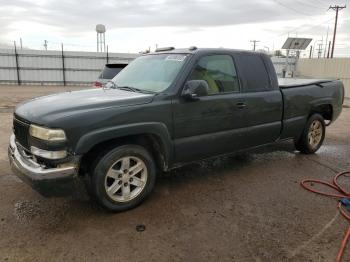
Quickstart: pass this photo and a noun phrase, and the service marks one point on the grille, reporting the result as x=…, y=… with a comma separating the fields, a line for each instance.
x=21, y=131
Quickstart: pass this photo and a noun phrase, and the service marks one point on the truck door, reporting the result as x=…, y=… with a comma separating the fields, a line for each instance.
x=262, y=99
x=210, y=125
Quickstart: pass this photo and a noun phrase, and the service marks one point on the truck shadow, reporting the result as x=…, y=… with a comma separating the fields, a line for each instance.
x=61, y=214
x=224, y=164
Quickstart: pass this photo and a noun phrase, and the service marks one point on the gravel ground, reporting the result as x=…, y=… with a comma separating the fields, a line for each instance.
x=244, y=208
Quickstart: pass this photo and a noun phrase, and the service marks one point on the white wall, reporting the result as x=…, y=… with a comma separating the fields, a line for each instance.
x=45, y=67
x=338, y=68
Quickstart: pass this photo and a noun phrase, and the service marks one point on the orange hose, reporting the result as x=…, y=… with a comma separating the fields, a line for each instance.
x=342, y=194
x=343, y=244
x=336, y=183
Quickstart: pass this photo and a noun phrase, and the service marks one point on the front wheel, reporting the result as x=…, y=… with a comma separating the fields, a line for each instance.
x=123, y=177
x=313, y=135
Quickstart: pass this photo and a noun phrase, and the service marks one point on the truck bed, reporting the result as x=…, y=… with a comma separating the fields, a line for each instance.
x=295, y=82
x=303, y=96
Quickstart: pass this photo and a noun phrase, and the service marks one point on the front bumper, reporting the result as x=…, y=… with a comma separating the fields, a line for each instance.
x=48, y=182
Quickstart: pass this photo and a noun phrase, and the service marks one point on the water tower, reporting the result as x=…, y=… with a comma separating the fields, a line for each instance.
x=101, y=44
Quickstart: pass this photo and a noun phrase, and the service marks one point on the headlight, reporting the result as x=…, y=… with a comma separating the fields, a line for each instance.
x=46, y=133
x=48, y=154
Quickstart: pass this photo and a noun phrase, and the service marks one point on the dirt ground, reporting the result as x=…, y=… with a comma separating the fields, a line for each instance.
x=11, y=95
x=244, y=208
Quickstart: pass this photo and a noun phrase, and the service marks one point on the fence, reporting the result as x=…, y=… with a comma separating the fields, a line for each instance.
x=326, y=68
x=27, y=66
x=280, y=64
x=23, y=66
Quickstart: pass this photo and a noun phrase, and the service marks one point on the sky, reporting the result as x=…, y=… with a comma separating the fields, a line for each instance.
x=134, y=26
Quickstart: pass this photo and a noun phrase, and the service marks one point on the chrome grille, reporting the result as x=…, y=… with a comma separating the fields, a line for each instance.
x=21, y=131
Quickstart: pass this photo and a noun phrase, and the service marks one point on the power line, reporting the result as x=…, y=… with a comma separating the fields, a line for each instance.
x=306, y=26
x=310, y=5
x=336, y=8
x=311, y=26
x=291, y=8
x=320, y=1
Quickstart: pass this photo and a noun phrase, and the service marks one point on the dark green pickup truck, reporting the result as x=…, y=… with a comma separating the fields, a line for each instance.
x=163, y=110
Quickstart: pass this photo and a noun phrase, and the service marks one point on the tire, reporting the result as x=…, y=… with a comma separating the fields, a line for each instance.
x=123, y=178
x=313, y=135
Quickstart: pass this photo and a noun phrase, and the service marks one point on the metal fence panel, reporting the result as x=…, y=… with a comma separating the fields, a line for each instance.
x=40, y=76
x=8, y=75
x=78, y=76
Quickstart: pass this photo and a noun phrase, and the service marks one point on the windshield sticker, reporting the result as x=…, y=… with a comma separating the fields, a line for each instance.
x=178, y=58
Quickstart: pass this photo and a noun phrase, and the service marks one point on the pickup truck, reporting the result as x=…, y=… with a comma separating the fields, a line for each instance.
x=165, y=109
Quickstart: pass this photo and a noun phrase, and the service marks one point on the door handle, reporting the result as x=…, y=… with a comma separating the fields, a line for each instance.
x=241, y=105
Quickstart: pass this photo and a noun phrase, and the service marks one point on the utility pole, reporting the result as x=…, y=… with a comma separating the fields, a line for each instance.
x=45, y=44
x=319, y=53
x=310, y=52
x=254, y=43
x=336, y=8
x=325, y=44
x=17, y=64
x=107, y=56
x=63, y=66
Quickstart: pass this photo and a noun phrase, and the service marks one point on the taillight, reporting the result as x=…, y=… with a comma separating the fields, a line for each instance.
x=97, y=84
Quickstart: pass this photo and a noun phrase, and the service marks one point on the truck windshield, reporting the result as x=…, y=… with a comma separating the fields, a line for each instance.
x=153, y=73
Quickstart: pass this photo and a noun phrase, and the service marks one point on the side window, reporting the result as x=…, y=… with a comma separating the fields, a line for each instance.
x=219, y=72
x=253, y=71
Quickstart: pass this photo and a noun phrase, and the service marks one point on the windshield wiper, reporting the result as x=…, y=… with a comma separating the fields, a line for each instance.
x=134, y=89
x=111, y=84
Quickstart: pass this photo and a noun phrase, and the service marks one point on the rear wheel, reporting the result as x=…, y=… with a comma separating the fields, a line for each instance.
x=313, y=135
x=123, y=177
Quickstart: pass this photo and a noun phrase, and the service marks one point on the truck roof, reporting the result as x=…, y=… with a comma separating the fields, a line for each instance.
x=193, y=50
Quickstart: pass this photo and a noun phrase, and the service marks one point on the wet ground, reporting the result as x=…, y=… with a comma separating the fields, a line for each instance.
x=244, y=208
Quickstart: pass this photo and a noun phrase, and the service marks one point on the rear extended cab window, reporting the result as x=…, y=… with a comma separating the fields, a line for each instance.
x=254, y=76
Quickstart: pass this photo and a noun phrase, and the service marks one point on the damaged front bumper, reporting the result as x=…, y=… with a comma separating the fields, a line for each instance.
x=58, y=181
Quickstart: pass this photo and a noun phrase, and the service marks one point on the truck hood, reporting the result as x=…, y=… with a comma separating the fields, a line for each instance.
x=48, y=109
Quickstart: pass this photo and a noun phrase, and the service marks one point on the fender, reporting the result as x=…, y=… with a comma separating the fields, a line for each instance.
x=89, y=140
x=320, y=102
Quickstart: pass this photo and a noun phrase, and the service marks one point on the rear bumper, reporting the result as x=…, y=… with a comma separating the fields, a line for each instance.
x=48, y=182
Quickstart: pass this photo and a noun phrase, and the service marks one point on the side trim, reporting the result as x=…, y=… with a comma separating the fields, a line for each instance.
x=227, y=132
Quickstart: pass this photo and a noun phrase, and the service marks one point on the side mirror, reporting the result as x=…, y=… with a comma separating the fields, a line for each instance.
x=108, y=85
x=194, y=89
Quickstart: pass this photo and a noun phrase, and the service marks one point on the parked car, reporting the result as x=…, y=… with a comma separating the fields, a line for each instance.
x=165, y=109
x=109, y=71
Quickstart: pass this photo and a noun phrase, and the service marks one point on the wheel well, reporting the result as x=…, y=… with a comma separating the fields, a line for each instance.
x=326, y=111
x=150, y=142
